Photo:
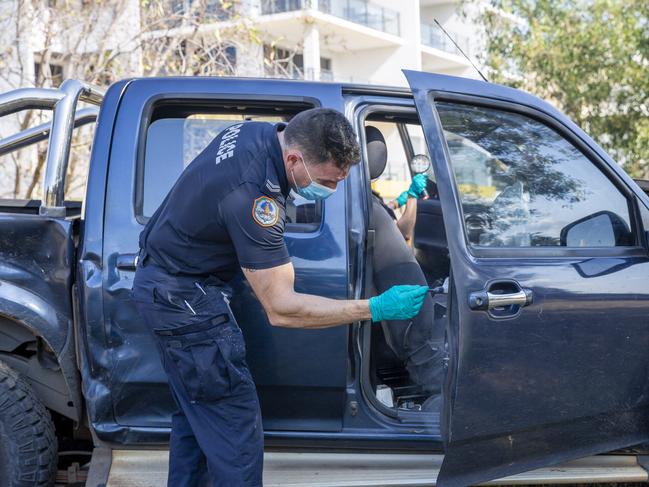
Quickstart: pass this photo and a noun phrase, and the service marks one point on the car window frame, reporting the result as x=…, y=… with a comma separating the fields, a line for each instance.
x=212, y=102
x=639, y=246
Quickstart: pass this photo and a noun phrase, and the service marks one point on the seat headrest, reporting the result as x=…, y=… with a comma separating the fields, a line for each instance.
x=377, y=151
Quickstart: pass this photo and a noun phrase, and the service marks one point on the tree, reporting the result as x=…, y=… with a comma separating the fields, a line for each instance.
x=590, y=58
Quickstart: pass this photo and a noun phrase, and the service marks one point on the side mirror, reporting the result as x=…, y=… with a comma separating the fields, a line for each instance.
x=601, y=229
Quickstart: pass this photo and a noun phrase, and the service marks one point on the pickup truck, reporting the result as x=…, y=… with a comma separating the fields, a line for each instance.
x=539, y=237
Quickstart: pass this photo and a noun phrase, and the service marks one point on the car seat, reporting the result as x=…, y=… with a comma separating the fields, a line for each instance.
x=417, y=342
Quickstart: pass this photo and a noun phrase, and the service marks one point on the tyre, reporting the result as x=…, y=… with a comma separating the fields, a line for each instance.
x=28, y=448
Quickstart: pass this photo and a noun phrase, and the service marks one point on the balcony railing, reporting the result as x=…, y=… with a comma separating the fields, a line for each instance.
x=326, y=75
x=358, y=11
x=433, y=36
x=298, y=73
x=183, y=13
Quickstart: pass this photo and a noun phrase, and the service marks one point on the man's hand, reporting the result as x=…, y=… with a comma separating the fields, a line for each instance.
x=398, y=303
x=416, y=189
x=402, y=199
x=418, y=185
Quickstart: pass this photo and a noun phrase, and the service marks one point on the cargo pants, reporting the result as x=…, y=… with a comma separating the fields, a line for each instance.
x=216, y=432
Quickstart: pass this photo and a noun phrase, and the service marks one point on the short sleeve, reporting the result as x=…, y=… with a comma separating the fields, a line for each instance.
x=255, y=223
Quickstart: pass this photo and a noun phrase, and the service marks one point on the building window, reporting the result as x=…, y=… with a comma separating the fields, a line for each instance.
x=206, y=59
x=195, y=56
x=326, y=73
x=53, y=75
x=169, y=14
x=284, y=63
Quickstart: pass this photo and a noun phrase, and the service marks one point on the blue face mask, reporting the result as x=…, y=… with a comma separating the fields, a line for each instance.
x=314, y=191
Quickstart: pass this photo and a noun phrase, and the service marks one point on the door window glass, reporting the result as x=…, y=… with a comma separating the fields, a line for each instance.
x=419, y=147
x=521, y=184
x=172, y=143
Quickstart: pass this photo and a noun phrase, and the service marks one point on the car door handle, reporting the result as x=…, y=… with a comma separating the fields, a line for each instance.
x=126, y=262
x=485, y=300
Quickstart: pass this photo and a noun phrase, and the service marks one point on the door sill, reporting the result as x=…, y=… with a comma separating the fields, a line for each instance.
x=146, y=468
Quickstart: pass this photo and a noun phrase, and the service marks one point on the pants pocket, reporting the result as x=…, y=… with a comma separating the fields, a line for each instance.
x=232, y=345
x=200, y=365
x=209, y=363
x=207, y=300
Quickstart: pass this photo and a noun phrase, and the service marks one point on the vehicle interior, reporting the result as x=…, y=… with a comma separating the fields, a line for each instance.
x=394, y=390
x=391, y=143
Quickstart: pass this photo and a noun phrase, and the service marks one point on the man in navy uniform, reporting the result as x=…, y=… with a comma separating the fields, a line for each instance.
x=226, y=213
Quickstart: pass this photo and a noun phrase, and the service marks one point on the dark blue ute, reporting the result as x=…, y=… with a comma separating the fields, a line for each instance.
x=535, y=240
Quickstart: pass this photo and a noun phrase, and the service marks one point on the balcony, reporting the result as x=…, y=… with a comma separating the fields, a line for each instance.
x=438, y=50
x=433, y=36
x=360, y=12
x=343, y=25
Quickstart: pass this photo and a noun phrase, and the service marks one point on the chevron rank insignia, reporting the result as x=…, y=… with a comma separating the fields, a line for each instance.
x=274, y=188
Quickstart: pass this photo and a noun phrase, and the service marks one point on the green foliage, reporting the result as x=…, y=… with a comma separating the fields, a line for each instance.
x=590, y=58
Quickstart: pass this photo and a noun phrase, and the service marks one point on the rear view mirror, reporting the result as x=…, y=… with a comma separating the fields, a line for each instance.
x=601, y=229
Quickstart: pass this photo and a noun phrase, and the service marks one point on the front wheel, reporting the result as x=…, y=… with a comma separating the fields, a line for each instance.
x=28, y=447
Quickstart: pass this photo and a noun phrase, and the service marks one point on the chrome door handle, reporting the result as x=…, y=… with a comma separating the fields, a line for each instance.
x=484, y=300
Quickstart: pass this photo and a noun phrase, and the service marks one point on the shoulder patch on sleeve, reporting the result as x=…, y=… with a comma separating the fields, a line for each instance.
x=265, y=211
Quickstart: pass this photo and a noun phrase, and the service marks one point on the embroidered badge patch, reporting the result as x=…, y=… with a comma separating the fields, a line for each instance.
x=265, y=211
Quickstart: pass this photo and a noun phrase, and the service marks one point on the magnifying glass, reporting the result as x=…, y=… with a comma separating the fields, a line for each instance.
x=420, y=163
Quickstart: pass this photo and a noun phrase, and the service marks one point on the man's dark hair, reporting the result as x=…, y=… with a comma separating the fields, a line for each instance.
x=324, y=134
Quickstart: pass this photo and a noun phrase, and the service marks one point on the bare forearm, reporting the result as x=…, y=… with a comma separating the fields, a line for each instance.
x=309, y=311
x=407, y=221
x=274, y=287
x=275, y=290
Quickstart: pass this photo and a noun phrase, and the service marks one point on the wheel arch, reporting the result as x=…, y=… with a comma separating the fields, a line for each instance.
x=39, y=344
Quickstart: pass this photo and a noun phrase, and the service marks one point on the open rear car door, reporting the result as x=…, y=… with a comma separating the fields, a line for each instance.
x=549, y=322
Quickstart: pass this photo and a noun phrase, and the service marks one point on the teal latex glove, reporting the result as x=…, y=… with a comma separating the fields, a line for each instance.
x=418, y=185
x=398, y=303
x=402, y=198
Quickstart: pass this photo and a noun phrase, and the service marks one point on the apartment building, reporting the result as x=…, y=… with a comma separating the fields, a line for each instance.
x=369, y=41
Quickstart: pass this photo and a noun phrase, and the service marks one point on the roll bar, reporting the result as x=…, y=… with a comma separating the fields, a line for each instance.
x=63, y=101
x=41, y=132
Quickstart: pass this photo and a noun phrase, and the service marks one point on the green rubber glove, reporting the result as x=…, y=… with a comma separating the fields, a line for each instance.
x=402, y=198
x=418, y=185
x=398, y=303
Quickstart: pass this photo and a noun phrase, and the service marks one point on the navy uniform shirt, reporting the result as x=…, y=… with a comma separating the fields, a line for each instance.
x=227, y=209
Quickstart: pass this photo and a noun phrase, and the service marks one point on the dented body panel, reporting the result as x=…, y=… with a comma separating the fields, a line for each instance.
x=36, y=276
